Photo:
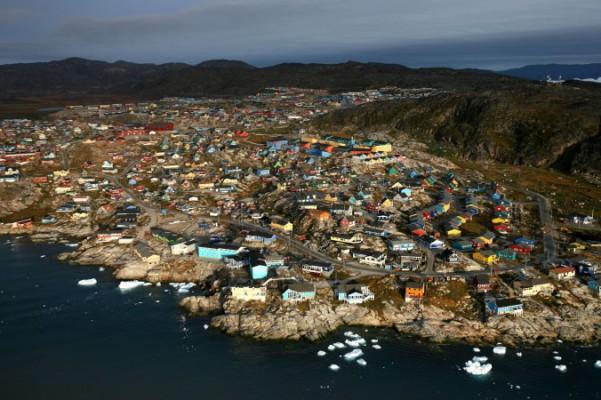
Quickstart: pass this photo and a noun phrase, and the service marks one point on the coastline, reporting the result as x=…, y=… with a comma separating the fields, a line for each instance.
x=574, y=323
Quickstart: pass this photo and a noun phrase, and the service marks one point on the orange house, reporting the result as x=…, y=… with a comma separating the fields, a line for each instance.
x=414, y=290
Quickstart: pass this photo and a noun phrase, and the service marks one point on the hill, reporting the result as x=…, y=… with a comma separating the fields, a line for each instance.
x=566, y=71
x=557, y=126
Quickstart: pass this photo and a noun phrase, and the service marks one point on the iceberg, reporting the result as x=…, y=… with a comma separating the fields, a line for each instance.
x=355, y=342
x=519, y=354
x=476, y=350
x=334, y=367
x=43, y=256
x=127, y=285
x=561, y=368
x=354, y=354
x=374, y=340
x=331, y=347
x=321, y=353
x=101, y=269
x=362, y=362
x=598, y=364
x=87, y=282
x=183, y=287
x=205, y=326
x=500, y=350
x=474, y=367
x=480, y=359
x=377, y=347
x=339, y=345
x=557, y=358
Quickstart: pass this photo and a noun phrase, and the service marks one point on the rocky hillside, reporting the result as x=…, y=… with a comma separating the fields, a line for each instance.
x=540, y=125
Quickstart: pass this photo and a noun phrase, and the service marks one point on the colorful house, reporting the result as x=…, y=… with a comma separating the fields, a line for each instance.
x=414, y=291
x=299, y=291
x=510, y=306
x=218, y=251
x=485, y=257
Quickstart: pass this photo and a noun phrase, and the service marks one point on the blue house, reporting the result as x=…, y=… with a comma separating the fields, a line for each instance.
x=259, y=271
x=277, y=143
x=216, y=251
x=299, y=292
x=510, y=306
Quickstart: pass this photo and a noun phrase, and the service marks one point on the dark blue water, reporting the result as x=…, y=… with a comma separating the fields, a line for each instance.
x=62, y=341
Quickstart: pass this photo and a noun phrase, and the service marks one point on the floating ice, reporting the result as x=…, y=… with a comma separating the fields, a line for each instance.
x=561, y=368
x=598, y=364
x=205, y=326
x=339, y=345
x=101, y=269
x=351, y=334
x=127, y=285
x=87, y=282
x=362, y=362
x=480, y=359
x=355, y=342
x=43, y=256
x=374, y=340
x=352, y=355
x=500, y=350
x=377, y=347
x=519, y=354
x=476, y=350
x=321, y=353
x=557, y=358
x=559, y=341
x=334, y=367
x=474, y=367
x=331, y=347
x=555, y=352
x=183, y=287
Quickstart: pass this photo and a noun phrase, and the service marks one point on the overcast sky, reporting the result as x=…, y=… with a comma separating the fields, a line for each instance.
x=458, y=33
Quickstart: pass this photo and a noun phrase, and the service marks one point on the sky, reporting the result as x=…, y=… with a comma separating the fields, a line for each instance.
x=491, y=34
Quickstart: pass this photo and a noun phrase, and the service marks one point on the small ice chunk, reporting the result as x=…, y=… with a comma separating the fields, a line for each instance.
x=334, y=367
x=519, y=354
x=331, y=347
x=598, y=364
x=557, y=358
x=559, y=341
x=101, y=269
x=87, y=282
x=43, y=256
x=377, y=347
x=205, y=326
x=374, y=340
x=127, y=285
x=362, y=362
x=339, y=345
x=476, y=350
x=355, y=342
x=476, y=368
x=353, y=354
x=480, y=359
x=555, y=352
x=561, y=368
x=321, y=353
x=500, y=350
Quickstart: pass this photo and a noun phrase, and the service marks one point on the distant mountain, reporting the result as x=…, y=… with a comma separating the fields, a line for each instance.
x=78, y=78
x=565, y=71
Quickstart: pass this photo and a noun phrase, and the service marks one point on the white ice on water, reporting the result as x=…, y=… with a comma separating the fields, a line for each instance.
x=183, y=287
x=500, y=350
x=87, y=282
x=127, y=285
x=561, y=368
x=476, y=350
x=519, y=354
x=377, y=347
x=321, y=353
x=362, y=362
x=557, y=358
x=339, y=345
x=475, y=367
x=598, y=364
x=331, y=347
x=334, y=367
x=355, y=342
x=354, y=354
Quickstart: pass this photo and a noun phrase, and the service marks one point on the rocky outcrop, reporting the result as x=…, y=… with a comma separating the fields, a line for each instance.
x=202, y=304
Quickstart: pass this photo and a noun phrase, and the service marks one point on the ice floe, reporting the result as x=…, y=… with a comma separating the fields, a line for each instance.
x=500, y=350
x=127, y=285
x=339, y=345
x=321, y=353
x=355, y=342
x=87, y=282
x=362, y=362
x=183, y=287
x=377, y=347
x=557, y=358
x=598, y=364
x=476, y=350
x=519, y=354
x=480, y=359
x=331, y=347
x=205, y=326
x=334, y=367
x=374, y=340
x=353, y=354
x=474, y=367
x=561, y=368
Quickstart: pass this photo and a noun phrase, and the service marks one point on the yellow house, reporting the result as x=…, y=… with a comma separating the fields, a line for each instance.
x=286, y=227
x=387, y=203
x=454, y=233
x=446, y=206
x=248, y=293
x=331, y=198
x=384, y=148
x=485, y=257
x=60, y=173
x=499, y=220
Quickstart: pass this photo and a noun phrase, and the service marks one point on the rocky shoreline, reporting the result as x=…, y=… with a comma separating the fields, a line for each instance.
x=575, y=319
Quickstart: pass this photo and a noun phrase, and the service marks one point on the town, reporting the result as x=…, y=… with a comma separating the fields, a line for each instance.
x=251, y=210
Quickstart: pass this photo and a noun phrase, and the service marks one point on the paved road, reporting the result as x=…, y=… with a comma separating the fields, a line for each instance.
x=548, y=227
